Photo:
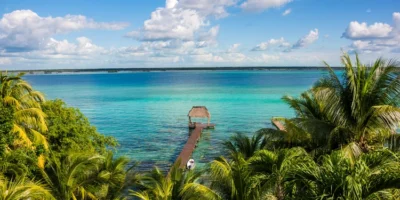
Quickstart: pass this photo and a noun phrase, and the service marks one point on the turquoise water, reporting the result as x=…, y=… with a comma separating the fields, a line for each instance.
x=147, y=111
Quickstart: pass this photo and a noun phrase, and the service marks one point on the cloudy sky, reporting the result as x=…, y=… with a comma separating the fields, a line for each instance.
x=192, y=33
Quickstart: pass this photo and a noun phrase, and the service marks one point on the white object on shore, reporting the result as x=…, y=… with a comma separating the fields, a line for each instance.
x=190, y=164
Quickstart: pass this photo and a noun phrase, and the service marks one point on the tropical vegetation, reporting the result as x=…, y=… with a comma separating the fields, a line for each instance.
x=341, y=144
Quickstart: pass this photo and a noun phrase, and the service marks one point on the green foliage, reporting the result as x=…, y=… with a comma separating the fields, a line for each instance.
x=86, y=176
x=23, y=189
x=69, y=129
x=19, y=162
x=360, y=107
x=72, y=176
x=115, y=177
x=29, y=121
x=6, y=124
x=229, y=180
x=332, y=149
x=274, y=167
x=241, y=144
x=372, y=176
x=40, y=140
x=156, y=186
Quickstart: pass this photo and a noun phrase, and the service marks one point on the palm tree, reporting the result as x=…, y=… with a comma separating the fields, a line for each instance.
x=15, y=164
x=275, y=166
x=246, y=146
x=29, y=119
x=75, y=176
x=375, y=175
x=22, y=189
x=114, y=177
x=360, y=107
x=156, y=186
x=229, y=180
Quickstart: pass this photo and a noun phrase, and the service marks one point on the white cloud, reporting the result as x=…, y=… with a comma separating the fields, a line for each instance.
x=208, y=38
x=396, y=21
x=84, y=46
x=360, y=31
x=181, y=20
x=378, y=37
x=170, y=23
x=159, y=48
x=272, y=42
x=287, y=11
x=261, y=5
x=24, y=30
x=58, y=54
x=5, y=61
x=209, y=57
x=233, y=48
x=171, y=3
x=182, y=28
x=365, y=46
x=306, y=40
x=215, y=8
x=269, y=58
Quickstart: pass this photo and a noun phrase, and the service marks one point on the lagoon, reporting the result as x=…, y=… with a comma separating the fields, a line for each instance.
x=147, y=111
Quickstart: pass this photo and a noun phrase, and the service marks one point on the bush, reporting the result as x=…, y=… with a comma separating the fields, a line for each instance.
x=69, y=130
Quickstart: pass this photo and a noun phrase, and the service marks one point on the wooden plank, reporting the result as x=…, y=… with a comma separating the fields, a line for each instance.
x=190, y=145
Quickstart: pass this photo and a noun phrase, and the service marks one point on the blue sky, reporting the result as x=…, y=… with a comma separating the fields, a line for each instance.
x=192, y=33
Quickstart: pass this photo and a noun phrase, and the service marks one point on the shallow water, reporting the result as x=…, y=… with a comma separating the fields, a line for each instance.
x=147, y=111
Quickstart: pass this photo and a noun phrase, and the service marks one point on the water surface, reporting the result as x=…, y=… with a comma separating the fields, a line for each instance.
x=147, y=111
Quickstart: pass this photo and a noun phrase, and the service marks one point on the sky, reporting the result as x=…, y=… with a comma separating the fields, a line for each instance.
x=61, y=34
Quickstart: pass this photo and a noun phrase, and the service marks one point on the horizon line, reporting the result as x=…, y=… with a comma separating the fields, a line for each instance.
x=225, y=68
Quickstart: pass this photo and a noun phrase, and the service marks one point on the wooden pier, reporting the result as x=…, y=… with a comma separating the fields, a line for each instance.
x=191, y=143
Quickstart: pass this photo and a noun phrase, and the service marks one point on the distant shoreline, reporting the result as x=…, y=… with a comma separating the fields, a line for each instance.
x=116, y=70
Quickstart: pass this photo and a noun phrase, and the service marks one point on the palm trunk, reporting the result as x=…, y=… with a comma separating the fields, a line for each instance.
x=279, y=192
x=363, y=144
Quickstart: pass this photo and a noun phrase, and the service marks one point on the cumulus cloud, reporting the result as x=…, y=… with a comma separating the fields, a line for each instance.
x=181, y=20
x=272, y=42
x=287, y=12
x=233, y=48
x=58, y=53
x=180, y=28
x=306, y=40
x=216, y=8
x=360, y=31
x=366, y=46
x=261, y=5
x=396, y=21
x=170, y=23
x=25, y=30
x=208, y=38
x=374, y=38
x=84, y=46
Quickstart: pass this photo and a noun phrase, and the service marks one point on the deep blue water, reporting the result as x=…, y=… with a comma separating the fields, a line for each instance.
x=147, y=111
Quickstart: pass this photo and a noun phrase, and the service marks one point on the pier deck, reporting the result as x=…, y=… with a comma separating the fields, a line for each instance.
x=190, y=145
